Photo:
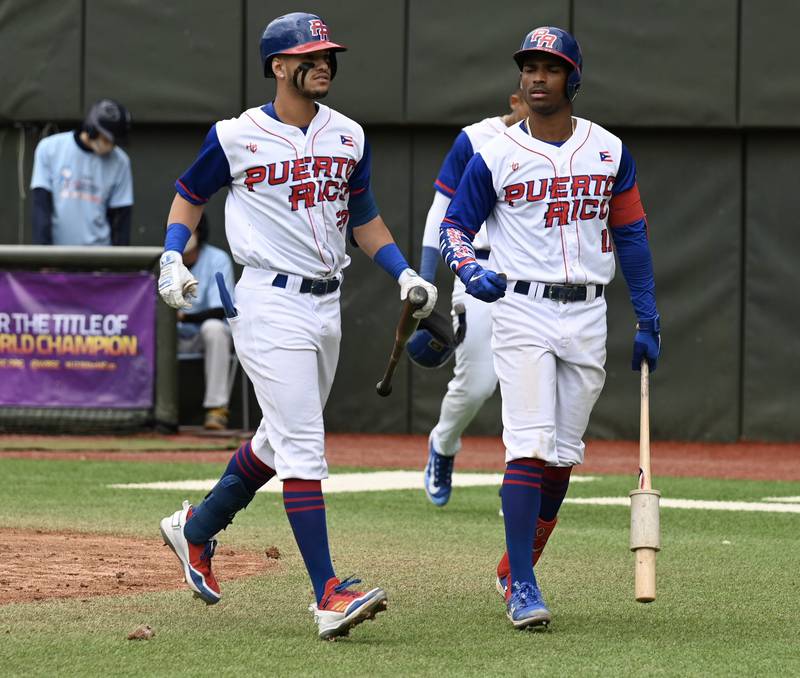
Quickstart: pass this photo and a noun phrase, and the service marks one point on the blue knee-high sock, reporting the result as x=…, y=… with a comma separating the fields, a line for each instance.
x=236, y=488
x=521, y=499
x=245, y=464
x=555, y=483
x=305, y=508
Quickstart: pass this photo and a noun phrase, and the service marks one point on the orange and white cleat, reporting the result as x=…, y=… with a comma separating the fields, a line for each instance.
x=341, y=609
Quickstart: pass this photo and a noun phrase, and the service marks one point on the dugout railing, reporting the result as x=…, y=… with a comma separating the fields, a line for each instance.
x=163, y=413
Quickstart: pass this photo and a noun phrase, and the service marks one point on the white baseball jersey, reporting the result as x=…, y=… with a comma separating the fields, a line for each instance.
x=286, y=218
x=469, y=141
x=287, y=205
x=548, y=206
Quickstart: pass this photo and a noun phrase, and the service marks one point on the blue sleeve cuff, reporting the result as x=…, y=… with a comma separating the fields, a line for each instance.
x=391, y=259
x=177, y=237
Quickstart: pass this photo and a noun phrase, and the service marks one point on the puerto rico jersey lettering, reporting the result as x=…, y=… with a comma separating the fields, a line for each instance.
x=289, y=188
x=547, y=207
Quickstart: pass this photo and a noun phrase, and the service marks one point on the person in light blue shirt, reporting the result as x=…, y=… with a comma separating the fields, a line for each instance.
x=203, y=328
x=82, y=188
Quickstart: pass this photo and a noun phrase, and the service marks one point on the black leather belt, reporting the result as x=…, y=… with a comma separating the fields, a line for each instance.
x=562, y=293
x=316, y=287
x=482, y=254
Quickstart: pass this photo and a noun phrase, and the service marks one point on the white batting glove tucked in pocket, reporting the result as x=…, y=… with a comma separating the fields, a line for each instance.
x=176, y=285
x=410, y=278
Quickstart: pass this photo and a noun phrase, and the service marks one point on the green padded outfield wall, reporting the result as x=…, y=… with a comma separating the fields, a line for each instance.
x=658, y=62
x=771, y=395
x=41, y=57
x=369, y=83
x=770, y=63
x=706, y=95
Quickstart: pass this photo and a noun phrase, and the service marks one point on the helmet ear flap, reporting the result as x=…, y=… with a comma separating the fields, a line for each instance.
x=433, y=344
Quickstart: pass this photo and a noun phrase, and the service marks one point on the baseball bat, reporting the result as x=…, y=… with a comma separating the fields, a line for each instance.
x=645, y=525
x=406, y=326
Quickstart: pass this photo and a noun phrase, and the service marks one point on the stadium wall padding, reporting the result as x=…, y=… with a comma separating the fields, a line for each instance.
x=704, y=94
x=770, y=394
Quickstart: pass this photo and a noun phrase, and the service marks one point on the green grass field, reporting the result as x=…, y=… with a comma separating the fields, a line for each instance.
x=724, y=609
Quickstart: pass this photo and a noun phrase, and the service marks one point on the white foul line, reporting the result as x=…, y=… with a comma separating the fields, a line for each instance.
x=701, y=504
x=345, y=482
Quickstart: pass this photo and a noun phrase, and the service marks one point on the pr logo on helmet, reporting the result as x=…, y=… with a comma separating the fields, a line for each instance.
x=541, y=37
x=318, y=29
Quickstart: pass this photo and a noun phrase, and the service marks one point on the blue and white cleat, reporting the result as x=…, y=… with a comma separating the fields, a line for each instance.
x=438, y=476
x=526, y=608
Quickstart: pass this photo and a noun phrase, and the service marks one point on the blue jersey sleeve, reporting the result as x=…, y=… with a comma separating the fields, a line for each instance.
x=361, y=203
x=454, y=164
x=209, y=172
x=626, y=174
x=474, y=199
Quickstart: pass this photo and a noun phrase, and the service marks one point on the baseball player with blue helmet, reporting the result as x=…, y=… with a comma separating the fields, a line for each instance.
x=558, y=195
x=474, y=379
x=298, y=180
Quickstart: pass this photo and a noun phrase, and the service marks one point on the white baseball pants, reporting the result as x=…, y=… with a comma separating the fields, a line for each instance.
x=473, y=380
x=549, y=357
x=288, y=343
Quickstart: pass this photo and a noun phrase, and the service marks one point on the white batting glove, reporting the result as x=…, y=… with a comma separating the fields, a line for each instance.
x=410, y=278
x=176, y=285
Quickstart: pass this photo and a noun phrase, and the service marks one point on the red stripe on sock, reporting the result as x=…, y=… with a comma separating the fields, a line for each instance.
x=312, y=498
x=535, y=463
x=306, y=508
x=256, y=462
x=507, y=481
x=524, y=473
x=296, y=485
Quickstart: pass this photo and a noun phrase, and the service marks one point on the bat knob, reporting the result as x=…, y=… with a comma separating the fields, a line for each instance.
x=503, y=276
x=459, y=308
x=383, y=389
x=418, y=296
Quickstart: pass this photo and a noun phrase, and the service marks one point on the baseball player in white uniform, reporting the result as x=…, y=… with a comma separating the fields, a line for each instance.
x=558, y=194
x=474, y=379
x=298, y=179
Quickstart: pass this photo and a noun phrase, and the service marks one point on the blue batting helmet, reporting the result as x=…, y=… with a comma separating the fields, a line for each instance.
x=432, y=344
x=296, y=33
x=554, y=41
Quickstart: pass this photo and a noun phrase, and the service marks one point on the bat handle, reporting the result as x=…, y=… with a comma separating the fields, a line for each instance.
x=417, y=297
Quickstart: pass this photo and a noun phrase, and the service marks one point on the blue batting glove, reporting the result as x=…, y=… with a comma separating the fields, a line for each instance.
x=647, y=343
x=483, y=283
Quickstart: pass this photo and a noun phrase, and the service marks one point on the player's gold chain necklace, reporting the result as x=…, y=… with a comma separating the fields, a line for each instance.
x=530, y=127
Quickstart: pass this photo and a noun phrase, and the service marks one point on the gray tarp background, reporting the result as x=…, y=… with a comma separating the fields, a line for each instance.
x=705, y=94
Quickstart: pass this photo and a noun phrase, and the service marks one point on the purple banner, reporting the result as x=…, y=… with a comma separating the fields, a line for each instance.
x=77, y=339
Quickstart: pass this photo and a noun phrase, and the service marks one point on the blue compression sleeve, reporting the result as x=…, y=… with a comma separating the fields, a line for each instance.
x=636, y=263
x=177, y=237
x=391, y=259
x=430, y=260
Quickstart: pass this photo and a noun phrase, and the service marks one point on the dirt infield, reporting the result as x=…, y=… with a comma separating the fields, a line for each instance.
x=754, y=461
x=76, y=565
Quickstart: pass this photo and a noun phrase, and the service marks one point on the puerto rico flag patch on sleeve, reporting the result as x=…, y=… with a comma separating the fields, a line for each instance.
x=605, y=156
x=347, y=140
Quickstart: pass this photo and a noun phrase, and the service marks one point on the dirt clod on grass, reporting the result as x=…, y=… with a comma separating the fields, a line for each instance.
x=272, y=553
x=40, y=565
x=143, y=632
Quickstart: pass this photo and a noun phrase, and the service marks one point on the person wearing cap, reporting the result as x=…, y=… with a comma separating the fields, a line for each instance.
x=82, y=188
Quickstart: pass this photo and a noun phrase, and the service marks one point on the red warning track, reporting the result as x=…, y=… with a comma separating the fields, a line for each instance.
x=755, y=461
